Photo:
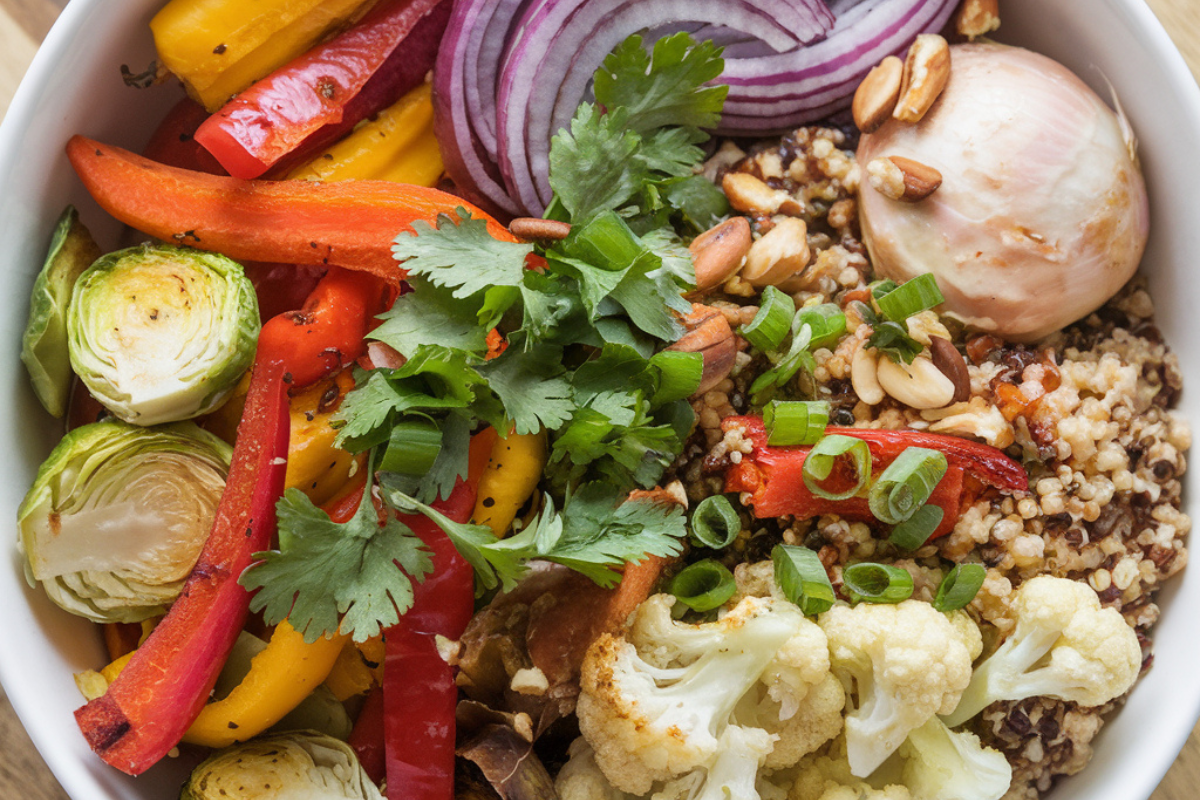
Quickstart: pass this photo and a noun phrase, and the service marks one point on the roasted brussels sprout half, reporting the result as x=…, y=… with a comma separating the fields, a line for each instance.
x=117, y=516
x=161, y=333
x=44, y=345
x=287, y=766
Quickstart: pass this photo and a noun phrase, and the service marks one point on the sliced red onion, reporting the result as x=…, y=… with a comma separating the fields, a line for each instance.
x=560, y=44
x=512, y=72
x=468, y=163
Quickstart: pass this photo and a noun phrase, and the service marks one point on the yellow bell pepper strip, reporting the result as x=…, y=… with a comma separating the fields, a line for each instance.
x=349, y=677
x=219, y=47
x=512, y=475
x=280, y=677
x=397, y=145
x=150, y=705
x=315, y=466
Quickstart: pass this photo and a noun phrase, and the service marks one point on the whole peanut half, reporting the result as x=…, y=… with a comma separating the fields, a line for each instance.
x=926, y=71
x=718, y=252
x=903, y=179
x=708, y=333
x=876, y=96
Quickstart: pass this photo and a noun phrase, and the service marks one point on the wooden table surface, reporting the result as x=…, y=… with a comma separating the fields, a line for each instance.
x=23, y=23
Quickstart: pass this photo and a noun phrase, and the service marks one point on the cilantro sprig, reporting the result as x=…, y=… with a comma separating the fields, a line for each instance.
x=595, y=534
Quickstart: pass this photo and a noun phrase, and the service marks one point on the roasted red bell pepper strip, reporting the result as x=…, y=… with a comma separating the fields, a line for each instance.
x=315, y=99
x=419, y=692
x=281, y=287
x=174, y=141
x=773, y=475
x=147, y=709
x=367, y=737
x=349, y=224
x=326, y=333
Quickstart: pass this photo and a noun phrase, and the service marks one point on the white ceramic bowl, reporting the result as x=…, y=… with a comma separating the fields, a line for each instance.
x=74, y=86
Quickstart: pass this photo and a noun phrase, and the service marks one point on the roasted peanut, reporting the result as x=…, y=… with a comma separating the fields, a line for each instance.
x=719, y=251
x=708, y=333
x=779, y=257
x=977, y=18
x=863, y=378
x=926, y=71
x=750, y=195
x=903, y=179
x=875, y=99
x=918, y=385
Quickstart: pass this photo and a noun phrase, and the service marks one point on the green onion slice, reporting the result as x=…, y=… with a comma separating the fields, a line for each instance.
x=412, y=448
x=959, y=587
x=877, y=583
x=882, y=287
x=916, y=530
x=791, y=422
x=773, y=320
x=912, y=297
x=906, y=484
x=714, y=522
x=801, y=577
x=821, y=460
x=703, y=586
x=827, y=323
x=680, y=375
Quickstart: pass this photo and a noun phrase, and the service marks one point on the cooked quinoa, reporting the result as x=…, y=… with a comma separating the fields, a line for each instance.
x=1087, y=411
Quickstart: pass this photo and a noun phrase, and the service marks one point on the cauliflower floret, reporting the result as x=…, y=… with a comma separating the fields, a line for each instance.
x=940, y=764
x=900, y=665
x=1064, y=645
x=827, y=777
x=581, y=779
x=667, y=699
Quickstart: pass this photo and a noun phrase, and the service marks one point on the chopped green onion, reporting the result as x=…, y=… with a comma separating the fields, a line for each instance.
x=959, y=587
x=880, y=288
x=911, y=297
x=906, y=484
x=801, y=577
x=714, y=522
x=773, y=320
x=680, y=375
x=877, y=583
x=412, y=448
x=703, y=586
x=827, y=323
x=916, y=530
x=819, y=463
x=791, y=422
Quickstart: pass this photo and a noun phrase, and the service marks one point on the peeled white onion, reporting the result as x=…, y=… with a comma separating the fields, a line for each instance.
x=1042, y=214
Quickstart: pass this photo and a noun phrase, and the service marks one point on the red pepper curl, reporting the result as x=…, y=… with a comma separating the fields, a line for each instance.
x=773, y=476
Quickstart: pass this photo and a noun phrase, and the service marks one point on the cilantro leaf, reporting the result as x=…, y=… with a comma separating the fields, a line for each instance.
x=529, y=383
x=431, y=315
x=461, y=254
x=592, y=166
x=672, y=151
x=358, y=571
x=665, y=87
x=892, y=340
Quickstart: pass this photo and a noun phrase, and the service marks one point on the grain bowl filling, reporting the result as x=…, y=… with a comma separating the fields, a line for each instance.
x=686, y=452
